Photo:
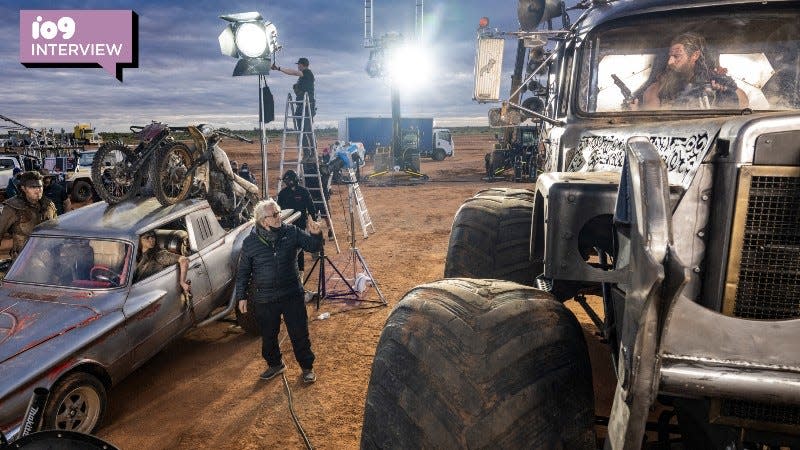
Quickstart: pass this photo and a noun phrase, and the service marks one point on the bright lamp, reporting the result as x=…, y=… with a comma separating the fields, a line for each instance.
x=251, y=39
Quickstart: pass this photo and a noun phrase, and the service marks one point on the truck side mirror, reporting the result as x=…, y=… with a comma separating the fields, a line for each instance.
x=488, y=68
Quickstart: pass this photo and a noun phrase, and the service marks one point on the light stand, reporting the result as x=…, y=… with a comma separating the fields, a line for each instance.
x=355, y=256
x=262, y=82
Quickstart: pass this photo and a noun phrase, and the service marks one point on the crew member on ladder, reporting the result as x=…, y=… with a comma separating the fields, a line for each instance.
x=304, y=85
x=296, y=197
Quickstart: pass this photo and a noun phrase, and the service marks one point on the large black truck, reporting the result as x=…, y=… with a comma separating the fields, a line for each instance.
x=673, y=198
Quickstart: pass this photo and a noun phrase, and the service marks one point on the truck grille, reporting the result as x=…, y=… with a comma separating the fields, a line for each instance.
x=761, y=412
x=764, y=268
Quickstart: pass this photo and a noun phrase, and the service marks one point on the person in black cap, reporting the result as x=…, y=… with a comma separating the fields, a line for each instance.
x=304, y=85
x=296, y=197
x=23, y=212
x=55, y=192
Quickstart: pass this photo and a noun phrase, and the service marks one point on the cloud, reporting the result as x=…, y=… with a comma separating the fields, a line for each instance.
x=182, y=77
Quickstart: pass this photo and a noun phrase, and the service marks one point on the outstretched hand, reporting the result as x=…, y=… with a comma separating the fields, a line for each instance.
x=313, y=227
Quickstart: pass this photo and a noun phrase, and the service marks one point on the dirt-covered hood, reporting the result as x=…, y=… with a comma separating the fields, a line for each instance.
x=682, y=144
x=28, y=320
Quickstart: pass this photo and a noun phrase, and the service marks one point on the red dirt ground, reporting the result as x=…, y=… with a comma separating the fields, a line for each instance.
x=203, y=391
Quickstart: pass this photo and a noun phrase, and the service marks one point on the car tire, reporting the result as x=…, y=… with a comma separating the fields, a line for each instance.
x=490, y=237
x=480, y=364
x=81, y=191
x=247, y=321
x=438, y=154
x=76, y=403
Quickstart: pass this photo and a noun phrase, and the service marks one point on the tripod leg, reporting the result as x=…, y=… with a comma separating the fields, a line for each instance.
x=369, y=274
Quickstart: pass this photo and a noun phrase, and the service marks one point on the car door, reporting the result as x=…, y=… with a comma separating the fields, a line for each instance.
x=156, y=310
x=213, y=245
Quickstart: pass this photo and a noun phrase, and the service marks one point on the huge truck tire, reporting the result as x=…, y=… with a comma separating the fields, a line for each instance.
x=438, y=154
x=490, y=237
x=465, y=363
x=81, y=191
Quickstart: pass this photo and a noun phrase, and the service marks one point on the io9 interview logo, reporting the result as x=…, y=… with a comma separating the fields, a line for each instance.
x=49, y=29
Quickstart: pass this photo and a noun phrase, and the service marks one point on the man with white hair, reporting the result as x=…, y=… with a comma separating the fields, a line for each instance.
x=269, y=260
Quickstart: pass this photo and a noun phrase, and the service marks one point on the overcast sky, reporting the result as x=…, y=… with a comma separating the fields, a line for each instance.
x=183, y=78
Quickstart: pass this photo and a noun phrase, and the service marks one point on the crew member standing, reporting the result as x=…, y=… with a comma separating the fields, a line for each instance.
x=23, y=212
x=296, y=197
x=56, y=192
x=268, y=259
x=304, y=85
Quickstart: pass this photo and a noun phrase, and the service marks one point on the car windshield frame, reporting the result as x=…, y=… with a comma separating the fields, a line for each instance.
x=73, y=263
x=759, y=49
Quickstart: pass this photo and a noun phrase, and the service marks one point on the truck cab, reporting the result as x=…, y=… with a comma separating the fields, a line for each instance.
x=442, y=144
x=666, y=211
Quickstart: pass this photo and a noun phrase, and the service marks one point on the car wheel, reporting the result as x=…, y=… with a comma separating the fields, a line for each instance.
x=480, y=364
x=248, y=320
x=438, y=154
x=490, y=237
x=76, y=403
x=81, y=191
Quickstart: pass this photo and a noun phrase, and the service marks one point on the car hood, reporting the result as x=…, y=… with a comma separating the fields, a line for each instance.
x=28, y=320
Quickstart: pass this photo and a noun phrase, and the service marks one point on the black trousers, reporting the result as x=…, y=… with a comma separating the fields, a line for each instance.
x=296, y=318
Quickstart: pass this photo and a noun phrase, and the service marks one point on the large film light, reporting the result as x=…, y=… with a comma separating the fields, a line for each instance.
x=251, y=39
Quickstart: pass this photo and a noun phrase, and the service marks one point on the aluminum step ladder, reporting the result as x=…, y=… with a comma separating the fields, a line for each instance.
x=299, y=153
x=360, y=204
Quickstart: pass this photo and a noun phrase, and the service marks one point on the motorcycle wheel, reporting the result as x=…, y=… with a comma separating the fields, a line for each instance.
x=112, y=174
x=173, y=179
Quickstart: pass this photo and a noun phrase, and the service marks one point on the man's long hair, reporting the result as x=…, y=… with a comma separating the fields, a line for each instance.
x=673, y=83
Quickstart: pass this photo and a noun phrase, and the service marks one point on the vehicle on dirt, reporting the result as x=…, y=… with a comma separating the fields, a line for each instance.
x=521, y=156
x=10, y=161
x=79, y=180
x=75, y=319
x=682, y=218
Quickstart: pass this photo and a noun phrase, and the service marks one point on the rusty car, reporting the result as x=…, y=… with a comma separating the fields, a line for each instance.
x=75, y=320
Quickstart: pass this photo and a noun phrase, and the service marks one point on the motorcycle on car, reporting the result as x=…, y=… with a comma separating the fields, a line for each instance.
x=205, y=173
x=118, y=172
x=175, y=172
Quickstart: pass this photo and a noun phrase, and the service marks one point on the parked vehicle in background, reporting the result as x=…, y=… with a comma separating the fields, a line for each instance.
x=83, y=134
x=682, y=218
x=374, y=132
x=74, y=317
x=79, y=179
x=10, y=161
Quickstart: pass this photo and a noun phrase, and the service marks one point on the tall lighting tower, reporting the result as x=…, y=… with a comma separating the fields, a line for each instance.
x=382, y=51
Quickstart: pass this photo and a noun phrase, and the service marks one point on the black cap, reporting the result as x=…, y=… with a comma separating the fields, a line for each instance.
x=303, y=61
x=290, y=175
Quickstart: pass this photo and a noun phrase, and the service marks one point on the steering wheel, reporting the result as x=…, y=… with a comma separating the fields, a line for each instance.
x=103, y=273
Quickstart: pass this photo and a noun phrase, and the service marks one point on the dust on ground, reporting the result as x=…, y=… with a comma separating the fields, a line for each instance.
x=203, y=390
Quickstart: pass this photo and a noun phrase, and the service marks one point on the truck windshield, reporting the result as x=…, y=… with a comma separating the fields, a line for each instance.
x=86, y=159
x=693, y=60
x=71, y=262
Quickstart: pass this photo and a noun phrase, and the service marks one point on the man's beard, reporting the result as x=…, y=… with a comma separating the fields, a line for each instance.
x=673, y=83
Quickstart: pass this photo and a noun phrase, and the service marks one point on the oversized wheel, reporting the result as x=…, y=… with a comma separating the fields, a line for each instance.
x=490, y=237
x=248, y=320
x=438, y=154
x=480, y=364
x=173, y=179
x=81, y=191
x=112, y=173
x=76, y=403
